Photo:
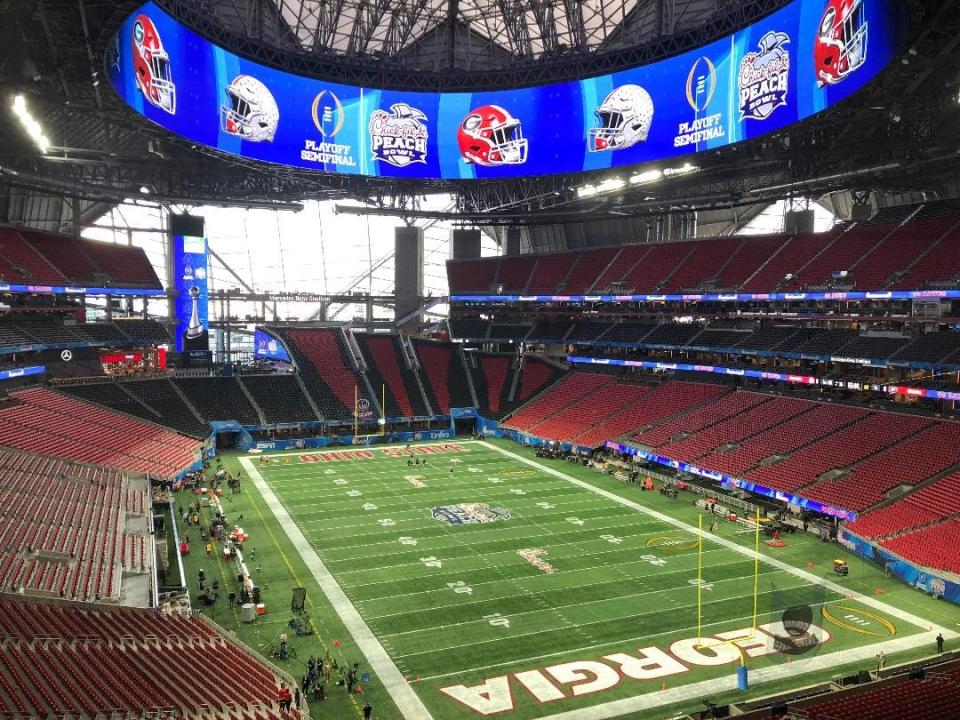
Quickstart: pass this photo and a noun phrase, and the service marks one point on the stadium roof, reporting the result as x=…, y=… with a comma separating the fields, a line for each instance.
x=474, y=34
x=522, y=28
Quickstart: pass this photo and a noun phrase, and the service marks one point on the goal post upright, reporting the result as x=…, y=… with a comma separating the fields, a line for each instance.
x=756, y=568
x=699, y=580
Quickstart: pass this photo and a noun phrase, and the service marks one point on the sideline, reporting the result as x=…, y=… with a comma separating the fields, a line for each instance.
x=407, y=701
x=617, y=708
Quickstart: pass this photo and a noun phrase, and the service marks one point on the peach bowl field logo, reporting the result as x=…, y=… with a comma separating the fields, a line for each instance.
x=469, y=514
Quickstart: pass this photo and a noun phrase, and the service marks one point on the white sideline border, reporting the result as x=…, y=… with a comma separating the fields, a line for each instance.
x=412, y=707
x=616, y=708
x=779, y=564
x=407, y=701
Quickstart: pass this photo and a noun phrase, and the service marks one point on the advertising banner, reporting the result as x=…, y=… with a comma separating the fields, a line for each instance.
x=268, y=347
x=924, y=579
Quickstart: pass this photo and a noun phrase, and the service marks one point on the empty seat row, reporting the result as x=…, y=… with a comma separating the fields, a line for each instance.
x=892, y=250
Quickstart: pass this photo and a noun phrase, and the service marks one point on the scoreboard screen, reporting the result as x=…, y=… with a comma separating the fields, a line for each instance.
x=792, y=64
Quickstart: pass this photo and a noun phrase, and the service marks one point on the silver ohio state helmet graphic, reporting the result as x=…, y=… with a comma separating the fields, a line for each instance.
x=624, y=119
x=250, y=111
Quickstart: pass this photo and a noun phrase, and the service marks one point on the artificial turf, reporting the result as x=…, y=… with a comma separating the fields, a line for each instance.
x=456, y=605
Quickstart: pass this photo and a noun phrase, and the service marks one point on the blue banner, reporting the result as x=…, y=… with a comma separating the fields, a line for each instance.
x=269, y=347
x=773, y=376
x=77, y=290
x=719, y=297
x=22, y=372
x=730, y=481
x=924, y=579
x=190, y=284
x=463, y=413
x=792, y=64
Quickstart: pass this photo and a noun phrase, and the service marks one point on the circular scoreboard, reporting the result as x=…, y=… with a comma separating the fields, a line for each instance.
x=792, y=64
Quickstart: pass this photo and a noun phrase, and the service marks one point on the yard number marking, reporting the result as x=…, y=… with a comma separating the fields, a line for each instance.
x=460, y=587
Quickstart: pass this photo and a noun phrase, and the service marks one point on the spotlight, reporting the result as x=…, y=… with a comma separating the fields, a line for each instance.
x=649, y=176
x=30, y=124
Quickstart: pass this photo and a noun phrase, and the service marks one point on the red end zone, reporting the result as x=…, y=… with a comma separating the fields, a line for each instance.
x=366, y=454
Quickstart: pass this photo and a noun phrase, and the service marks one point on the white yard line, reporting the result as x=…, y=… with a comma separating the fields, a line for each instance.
x=809, y=577
x=407, y=701
x=412, y=708
x=508, y=553
x=681, y=693
x=467, y=532
x=535, y=578
x=587, y=648
x=658, y=611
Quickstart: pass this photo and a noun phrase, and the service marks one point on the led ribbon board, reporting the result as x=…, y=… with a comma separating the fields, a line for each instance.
x=794, y=63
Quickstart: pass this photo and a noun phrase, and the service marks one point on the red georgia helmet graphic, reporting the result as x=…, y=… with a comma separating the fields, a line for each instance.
x=840, y=46
x=490, y=136
x=151, y=65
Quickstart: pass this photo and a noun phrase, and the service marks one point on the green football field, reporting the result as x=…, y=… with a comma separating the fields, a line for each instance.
x=488, y=583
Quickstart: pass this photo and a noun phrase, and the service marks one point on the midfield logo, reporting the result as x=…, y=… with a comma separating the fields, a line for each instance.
x=469, y=514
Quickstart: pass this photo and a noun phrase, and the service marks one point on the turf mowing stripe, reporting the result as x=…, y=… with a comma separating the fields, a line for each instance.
x=407, y=701
x=586, y=648
x=640, y=576
x=482, y=621
x=809, y=577
x=509, y=553
x=513, y=637
x=507, y=535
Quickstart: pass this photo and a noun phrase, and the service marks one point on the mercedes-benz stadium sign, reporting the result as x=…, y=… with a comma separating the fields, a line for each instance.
x=794, y=63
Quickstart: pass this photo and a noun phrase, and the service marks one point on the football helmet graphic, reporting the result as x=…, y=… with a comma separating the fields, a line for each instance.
x=491, y=136
x=840, y=46
x=625, y=117
x=151, y=65
x=250, y=112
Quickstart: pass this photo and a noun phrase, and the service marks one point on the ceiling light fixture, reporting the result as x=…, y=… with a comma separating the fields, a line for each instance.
x=30, y=124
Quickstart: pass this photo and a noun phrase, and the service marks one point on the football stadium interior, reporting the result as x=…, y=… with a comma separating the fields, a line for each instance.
x=444, y=359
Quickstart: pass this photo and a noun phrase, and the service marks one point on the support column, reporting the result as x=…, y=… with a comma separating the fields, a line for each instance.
x=466, y=244
x=513, y=242
x=408, y=271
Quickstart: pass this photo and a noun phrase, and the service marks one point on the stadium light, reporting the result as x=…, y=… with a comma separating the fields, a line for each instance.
x=30, y=124
x=649, y=176
x=684, y=169
x=610, y=185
